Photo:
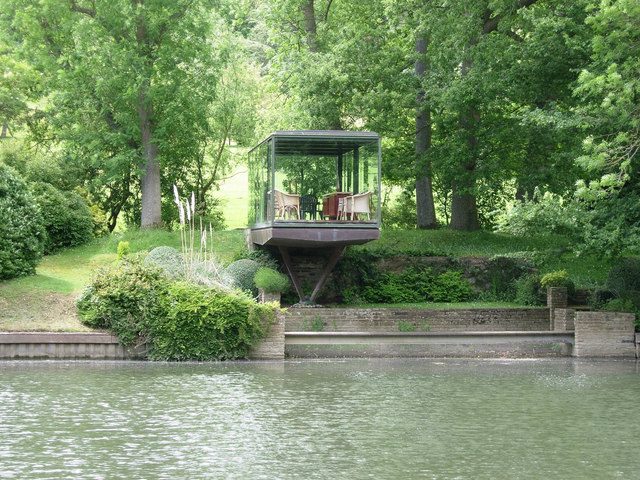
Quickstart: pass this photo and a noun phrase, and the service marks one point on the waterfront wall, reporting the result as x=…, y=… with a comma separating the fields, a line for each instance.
x=74, y=346
x=604, y=334
x=271, y=347
x=414, y=319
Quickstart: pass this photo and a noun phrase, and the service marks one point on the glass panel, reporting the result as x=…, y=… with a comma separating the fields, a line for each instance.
x=259, y=184
x=327, y=187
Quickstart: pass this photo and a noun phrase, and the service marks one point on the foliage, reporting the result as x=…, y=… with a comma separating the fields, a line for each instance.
x=126, y=298
x=271, y=281
x=177, y=320
x=546, y=212
x=559, y=278
x=67, y=218
x=169, y=260
x=529, y=291
x=124, y=249
x=242, y=273
x=418, y=285
x=202, y=323
x=624, y=276
x=22, y=233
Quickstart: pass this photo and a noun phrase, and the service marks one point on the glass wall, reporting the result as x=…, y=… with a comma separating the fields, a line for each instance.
x=317, y=180
x=259, y=183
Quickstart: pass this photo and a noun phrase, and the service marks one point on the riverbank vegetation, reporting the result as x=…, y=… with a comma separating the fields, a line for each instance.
x=510, y=133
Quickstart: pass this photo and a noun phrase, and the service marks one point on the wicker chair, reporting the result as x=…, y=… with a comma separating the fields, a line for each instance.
x=359, y=204
x=286, y=204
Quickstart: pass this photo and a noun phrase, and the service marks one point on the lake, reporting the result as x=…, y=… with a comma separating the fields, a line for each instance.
x=435, y=419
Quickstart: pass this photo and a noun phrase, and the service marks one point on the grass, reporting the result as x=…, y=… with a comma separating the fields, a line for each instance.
x=552, y=252
x=46, y=301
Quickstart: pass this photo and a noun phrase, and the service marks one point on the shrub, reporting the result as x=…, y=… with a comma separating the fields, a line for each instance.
x=22, y=233
x=242, y=272
x=169, y=260
x=559, y=278
x=501, y=274
x=624, y=276
x=529, y=291
x=123, y=249
x=67, y=218
x=202, y=323
x=450, y=286
x=125, y=297
x=545, y=212
x=418, y=285
x=270, y=280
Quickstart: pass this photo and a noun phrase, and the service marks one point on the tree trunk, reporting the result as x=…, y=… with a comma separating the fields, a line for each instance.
x=5, y=130
x=464, y=210
x=150, y=181
x=310, y=26
x=425, y=209
x=151, y=215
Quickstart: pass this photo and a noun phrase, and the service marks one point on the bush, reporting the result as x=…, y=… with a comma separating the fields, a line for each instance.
x=501, y=274
x=123, y=249
x=169, y=260
x=529, y=291
x=418, y=285
x=545, y=212
x=67, y=218
x=177, y=320
x=22, y=233
x=242, y=272
x=202, y=323
x=559, y=278
x=624, y=276
x=125, y=298
x=450, y=286
x=270, y=280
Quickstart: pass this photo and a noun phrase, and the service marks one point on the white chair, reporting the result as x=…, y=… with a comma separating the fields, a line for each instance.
x=286, y=203
x=359, y=204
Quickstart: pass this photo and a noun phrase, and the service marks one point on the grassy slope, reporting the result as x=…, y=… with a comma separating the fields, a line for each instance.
x=45, y=301
x=586, y=271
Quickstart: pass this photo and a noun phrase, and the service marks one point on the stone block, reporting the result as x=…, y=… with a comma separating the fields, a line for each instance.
x=604, y=334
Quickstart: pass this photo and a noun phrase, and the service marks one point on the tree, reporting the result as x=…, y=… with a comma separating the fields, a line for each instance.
x=115, y=71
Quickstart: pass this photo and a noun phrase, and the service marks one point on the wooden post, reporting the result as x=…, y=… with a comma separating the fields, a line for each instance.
x=339, y=165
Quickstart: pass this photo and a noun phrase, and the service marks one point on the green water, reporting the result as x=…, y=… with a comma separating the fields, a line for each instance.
x=350, y=419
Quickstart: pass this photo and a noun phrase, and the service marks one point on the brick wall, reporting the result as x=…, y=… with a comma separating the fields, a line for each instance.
x=395, y=319
x=604, y=334
x=563, y=319
x=271, y=347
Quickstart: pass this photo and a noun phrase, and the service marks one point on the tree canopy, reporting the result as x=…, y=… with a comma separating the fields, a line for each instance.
x=480, y=104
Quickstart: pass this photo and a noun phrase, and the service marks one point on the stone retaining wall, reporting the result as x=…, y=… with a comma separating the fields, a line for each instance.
x=79, y=346
x=604, y=334
x=413, y=319
x=272, y=346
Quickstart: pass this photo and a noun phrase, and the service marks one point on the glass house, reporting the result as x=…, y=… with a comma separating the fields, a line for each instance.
x=315, y=188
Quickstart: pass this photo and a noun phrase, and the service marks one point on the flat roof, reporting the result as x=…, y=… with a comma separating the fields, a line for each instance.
x=319, y=142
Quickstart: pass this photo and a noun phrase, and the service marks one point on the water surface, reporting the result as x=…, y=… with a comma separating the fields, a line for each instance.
x=321, y=419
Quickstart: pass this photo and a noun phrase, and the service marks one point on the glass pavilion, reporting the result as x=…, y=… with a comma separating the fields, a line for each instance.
x=314, y=188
